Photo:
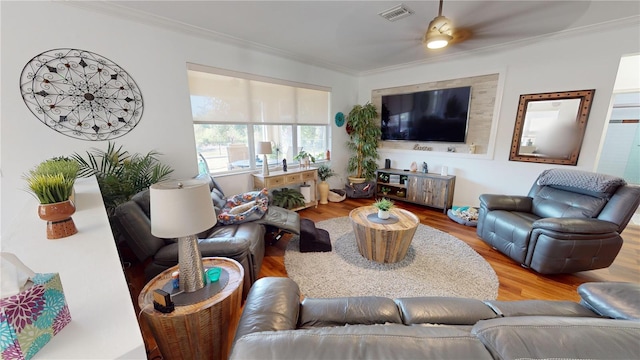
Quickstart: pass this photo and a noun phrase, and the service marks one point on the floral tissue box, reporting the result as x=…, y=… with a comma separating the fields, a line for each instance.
x=29, y=319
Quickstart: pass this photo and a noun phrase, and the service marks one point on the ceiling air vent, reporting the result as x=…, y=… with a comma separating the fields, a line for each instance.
x=396, y=13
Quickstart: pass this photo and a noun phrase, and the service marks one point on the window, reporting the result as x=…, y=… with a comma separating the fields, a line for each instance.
x=233, y=111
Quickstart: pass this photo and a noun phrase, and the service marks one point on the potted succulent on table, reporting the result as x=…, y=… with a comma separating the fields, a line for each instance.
x=52, y=183
x=303, y=158
x=363, y=141
x=383, y=205
x=324, y=173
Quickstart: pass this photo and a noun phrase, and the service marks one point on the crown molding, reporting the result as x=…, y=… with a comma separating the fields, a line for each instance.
x=110, y=8
x=617, y=23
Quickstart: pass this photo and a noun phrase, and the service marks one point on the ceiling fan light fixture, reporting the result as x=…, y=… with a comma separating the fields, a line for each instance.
x=438, y=41
x=439, y=33
x=440, y=24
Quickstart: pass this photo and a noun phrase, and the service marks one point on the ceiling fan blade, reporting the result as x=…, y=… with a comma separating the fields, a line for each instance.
x=524, y=16
x=461, y=34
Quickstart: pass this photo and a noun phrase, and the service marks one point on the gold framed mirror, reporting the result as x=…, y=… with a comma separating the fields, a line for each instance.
x=550, y=127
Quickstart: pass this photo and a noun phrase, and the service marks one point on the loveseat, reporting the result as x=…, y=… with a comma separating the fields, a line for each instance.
x=243, y=242
x=275, y=324
x=570, y=221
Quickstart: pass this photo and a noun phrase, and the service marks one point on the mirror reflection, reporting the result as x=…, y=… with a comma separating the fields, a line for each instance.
x=550, y=126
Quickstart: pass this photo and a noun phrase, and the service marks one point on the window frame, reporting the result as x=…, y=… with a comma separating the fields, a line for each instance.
x=250, y=124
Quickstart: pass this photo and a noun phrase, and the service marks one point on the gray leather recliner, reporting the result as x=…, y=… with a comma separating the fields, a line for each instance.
x=570, y=221
x=242, y=242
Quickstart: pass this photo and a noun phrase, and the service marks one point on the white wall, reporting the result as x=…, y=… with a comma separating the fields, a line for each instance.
x=628, y=77
x=620, y=149
x=558, y=63
x=155, y=58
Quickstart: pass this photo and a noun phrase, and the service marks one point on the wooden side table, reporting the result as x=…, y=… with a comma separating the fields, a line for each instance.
x=201, y=330
x=279, y=179
x=384, y=241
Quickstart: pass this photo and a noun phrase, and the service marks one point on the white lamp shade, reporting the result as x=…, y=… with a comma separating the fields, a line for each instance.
x=181, y=208
x=264, y=148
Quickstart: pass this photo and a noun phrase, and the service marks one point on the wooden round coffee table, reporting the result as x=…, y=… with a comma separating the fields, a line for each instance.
x=383, y=241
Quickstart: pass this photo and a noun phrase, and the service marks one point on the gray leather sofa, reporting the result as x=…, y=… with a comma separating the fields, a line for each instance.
x=570, y=221
x=275, y=324
x=242, y=242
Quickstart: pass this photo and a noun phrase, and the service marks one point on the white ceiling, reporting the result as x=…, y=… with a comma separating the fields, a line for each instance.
x=350, y=36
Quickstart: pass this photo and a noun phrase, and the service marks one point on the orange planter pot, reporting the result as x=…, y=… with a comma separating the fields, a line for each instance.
x=58, y=217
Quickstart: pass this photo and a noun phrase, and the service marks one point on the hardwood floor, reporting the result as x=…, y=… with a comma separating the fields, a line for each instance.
x=516, y=282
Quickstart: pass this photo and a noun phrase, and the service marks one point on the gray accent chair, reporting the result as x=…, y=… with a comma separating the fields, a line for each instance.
x=242, y=242
x=276, y=324
x=570, y=221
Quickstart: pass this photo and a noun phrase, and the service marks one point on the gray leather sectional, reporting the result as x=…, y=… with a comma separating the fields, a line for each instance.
x=276, y=324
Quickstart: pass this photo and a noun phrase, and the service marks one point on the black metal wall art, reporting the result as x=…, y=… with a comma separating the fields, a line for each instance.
x=81, y=94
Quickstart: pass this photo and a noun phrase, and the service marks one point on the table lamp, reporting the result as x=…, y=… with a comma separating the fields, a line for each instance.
x=182, y=209
x=264, y=149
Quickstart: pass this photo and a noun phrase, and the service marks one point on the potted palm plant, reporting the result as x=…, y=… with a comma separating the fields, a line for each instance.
x=383, y=205
x=120, y=174
x=324, y=173
x=363, y=142
x=52, y=183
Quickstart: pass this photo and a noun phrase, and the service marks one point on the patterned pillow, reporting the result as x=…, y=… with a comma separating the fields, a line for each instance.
x=258, y=201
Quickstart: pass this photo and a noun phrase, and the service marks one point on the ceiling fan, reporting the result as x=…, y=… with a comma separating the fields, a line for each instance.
x=440, y=31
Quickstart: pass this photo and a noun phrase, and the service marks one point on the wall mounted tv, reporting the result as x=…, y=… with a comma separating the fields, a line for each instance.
x=432, y=115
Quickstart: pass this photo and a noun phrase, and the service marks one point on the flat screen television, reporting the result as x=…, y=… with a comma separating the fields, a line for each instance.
x=432, y=115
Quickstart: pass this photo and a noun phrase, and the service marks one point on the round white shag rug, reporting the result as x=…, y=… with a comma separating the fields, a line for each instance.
x=437, y=264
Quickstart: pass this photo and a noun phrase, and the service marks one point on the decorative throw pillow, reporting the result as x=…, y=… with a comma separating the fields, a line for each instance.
x=251, y=206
